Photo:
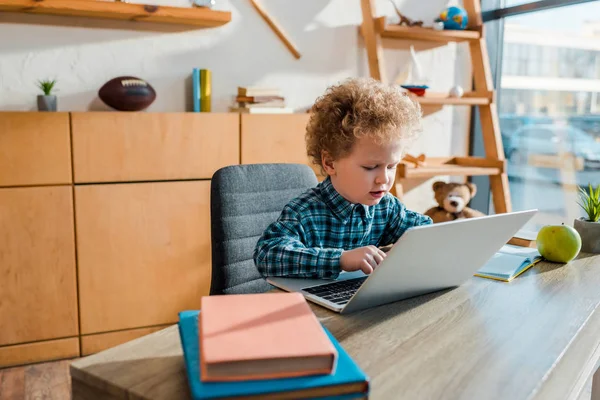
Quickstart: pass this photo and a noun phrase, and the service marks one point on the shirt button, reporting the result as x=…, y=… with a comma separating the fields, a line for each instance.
x=354, y=241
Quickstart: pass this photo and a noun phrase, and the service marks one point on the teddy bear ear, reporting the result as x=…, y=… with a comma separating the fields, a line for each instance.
x=472, y=188
x=437, y=185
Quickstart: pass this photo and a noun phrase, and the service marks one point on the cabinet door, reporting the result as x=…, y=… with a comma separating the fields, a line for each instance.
x=143, y=252
x=35, y=148
x=123, y=147
x=38, y=292
x=274, y=138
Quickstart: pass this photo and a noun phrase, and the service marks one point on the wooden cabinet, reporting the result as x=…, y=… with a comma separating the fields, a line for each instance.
x=35, y=149
x=274, y=138
x=143, y=252
x=105, y=220
x=38, y=293
x=125, y=147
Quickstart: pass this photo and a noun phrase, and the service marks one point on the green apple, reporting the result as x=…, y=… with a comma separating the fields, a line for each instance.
x=558, y=243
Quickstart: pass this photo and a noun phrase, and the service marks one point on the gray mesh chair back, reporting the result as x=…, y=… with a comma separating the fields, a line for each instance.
x=244, y=200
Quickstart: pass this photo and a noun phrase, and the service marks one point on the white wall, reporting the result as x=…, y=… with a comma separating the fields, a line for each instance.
x=83, y=54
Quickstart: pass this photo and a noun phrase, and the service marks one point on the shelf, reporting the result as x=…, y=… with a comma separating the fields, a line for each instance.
x=197, y=16
x=451, y=166
x=441, y=99
x=425, y=34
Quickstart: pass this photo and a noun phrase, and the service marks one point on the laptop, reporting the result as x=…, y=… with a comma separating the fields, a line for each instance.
x=425, y=259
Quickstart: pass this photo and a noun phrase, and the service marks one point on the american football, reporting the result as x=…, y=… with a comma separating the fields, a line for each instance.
x=127, y=93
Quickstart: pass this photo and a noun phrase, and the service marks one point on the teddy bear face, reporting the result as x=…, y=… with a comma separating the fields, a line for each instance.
x=453, y=197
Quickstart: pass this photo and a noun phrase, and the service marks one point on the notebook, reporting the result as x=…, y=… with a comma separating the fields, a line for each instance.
x=262, y=336
x=347, y=381
x=509, y=262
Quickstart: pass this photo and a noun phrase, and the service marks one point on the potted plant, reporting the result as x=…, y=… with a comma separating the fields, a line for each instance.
x=46, y=101
x=589, y=228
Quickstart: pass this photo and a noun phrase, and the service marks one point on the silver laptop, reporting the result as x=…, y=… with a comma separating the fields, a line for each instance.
x=425, y=259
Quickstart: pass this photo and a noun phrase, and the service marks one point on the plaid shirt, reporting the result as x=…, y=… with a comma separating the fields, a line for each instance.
x=314, y=229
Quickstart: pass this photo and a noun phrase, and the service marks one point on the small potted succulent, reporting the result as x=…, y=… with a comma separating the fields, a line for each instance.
x=46, y=101
x=589, y=227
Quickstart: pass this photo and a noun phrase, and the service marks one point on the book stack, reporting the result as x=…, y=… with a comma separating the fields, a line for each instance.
x=258, y=100
x=265, y=346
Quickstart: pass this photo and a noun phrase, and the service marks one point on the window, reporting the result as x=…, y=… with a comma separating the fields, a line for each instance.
x=548, y=85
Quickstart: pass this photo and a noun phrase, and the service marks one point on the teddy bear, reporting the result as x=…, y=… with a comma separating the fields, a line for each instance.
x=452, y=199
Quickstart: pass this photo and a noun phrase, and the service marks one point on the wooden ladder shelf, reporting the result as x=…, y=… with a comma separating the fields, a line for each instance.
x=374, y=28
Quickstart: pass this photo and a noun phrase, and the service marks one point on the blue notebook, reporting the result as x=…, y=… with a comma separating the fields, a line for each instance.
x=347, y=382
x=509, y=262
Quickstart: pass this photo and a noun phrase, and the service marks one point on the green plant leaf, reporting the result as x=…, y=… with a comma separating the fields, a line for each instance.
x=46, y=86
x=589, y=201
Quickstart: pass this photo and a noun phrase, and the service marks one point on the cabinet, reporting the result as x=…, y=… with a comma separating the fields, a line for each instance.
x=143, y=252
x=105, y=220
x=274, y=138
x=38, y=292
x=128, y=147
x=35, y=149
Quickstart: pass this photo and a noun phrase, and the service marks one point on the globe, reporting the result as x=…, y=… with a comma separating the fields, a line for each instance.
x=454, y=18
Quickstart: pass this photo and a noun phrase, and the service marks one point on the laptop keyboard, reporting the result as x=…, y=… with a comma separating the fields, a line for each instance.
x=338, y=292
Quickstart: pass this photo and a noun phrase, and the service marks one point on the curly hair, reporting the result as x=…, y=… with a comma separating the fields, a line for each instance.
x=356, y=108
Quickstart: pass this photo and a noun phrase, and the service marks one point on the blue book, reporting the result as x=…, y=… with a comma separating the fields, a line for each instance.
x=347, y=382
x=509, y=262
x=196, y=89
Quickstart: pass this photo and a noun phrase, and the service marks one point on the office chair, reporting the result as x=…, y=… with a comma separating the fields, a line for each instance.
x=244, y=200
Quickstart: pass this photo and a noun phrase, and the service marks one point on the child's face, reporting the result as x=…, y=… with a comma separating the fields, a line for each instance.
x=367, y=173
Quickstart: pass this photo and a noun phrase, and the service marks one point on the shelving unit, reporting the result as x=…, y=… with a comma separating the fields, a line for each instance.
x=418, y=33
x=374, y=28
x=456, y=166
x=196, y=16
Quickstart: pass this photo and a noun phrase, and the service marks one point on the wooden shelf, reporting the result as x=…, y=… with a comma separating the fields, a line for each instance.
x=425, y=34
x=440, y=99
x=197, y=16
x=451, y=166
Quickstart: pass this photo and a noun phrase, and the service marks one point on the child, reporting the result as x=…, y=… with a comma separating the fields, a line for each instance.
x=357, y=134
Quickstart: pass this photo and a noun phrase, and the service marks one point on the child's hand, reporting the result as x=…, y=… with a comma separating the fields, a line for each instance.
x=363, y=258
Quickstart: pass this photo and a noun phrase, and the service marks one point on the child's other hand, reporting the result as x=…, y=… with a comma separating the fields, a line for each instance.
x=363, y=258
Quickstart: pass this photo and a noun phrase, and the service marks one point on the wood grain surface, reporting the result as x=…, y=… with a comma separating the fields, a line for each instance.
x=534, y=338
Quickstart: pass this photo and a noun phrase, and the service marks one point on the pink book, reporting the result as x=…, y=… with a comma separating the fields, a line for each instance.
x=261, y=336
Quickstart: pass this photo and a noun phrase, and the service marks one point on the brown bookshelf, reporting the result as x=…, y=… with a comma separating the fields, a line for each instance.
x=196, y=16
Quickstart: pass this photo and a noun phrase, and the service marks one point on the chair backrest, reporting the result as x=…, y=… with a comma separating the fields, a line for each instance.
x=244, y=200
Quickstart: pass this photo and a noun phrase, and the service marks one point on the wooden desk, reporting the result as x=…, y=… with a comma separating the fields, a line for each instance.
x=537, y=337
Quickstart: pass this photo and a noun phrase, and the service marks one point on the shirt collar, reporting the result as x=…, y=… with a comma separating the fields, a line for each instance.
x=340, y=207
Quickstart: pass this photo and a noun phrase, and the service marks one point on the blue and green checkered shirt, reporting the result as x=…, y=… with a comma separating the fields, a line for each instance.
x=314, y=229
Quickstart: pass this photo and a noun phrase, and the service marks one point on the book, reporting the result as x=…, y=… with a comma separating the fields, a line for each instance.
x=275, y=103
x=205, y=90
x=524, y=238
x=263, y=110
x=262, y=336
x=258, y=99
x=257, y=91
x=347, y=380
x=509, y=262
x=196, y=89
